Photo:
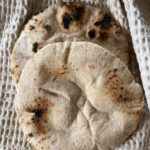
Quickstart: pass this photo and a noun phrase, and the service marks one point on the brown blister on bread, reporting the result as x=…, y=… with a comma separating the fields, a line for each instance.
x=17, y=79
x=35, y=47
x=133, y=112
x=30, y=135
x=71, y=16
x=103, y=21
x=99, y=16
x=47, y=30
x=39, y=27
x=100, y=26
x=47, y=27
x=44, y=138
x=113, y=86
x=136, y=114
x=91, y=33
x=39, y=109
x=103, y=36
x=61, y=71
x=116, y=28
x=31, y=27
x=15, y=70
x=104, y=26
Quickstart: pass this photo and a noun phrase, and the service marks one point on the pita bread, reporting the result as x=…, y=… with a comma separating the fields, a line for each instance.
x=77, y=96
x=74, y=22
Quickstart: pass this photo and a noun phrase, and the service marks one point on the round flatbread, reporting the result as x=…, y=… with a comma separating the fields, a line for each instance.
x=77, y=96
x=74, y=22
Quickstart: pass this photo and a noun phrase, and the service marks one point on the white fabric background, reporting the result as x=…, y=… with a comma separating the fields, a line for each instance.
x=134, y=15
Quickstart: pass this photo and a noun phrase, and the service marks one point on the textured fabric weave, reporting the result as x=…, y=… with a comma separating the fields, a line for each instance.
x=134, y=15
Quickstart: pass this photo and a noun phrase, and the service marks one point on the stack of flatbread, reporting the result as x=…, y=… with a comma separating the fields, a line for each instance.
x=74, y=88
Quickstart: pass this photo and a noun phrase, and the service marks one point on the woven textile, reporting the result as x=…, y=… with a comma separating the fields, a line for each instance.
x=133, y=15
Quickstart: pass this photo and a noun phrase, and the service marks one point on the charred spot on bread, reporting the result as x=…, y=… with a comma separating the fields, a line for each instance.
x=115, y=70
x=30, y=135
x=78, y=12
x=35, y=46
x=97, y=23
x=118, y=31
x=103, y=36
x=37, y=111
x=121, y=87
x=72, y=13
x=104, y=24
x=66, y=20
x=47, y=27
x=31, y=27
x=92, y=33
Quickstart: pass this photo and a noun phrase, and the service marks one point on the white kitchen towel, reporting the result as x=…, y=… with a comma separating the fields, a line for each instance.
x=134, y=15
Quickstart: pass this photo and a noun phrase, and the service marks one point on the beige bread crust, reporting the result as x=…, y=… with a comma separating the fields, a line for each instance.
x=77, y=96
x=76, y=22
